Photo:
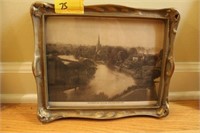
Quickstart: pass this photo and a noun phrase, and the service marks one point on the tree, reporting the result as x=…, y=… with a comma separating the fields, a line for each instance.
x=133, y=52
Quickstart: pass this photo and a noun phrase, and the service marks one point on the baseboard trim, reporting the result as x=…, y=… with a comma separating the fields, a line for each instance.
x=15, y=67
x=32, y=98
x=187, y=95
x=18, y=98
x=187, y=67
x=26, y=67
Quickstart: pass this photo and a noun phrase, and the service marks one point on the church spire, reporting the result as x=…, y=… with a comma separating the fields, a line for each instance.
x=98, y=47
x=99, y=40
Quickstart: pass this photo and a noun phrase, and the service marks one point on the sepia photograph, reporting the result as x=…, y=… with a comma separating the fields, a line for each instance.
x=100, y=60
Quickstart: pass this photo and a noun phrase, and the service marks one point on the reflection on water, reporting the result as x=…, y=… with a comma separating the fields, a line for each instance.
x=110, y=82
x=67, y=57
x=106, y=81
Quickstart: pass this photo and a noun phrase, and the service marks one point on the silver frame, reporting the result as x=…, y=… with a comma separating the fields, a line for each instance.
x=46, y=113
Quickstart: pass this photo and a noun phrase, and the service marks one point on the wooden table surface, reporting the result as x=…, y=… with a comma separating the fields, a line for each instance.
x=184, y=117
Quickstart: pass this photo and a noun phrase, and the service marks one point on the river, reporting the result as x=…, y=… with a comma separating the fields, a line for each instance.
x=110, y=82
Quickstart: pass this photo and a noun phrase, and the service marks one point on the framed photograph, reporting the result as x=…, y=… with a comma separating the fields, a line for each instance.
x=110, y=62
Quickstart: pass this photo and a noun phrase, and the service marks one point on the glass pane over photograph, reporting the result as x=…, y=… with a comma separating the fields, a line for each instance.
x=103, y=60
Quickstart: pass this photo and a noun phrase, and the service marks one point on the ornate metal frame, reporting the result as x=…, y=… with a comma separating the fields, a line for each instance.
x=171, y=18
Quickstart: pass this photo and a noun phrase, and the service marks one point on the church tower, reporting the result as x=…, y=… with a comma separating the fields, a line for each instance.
x=98, y=47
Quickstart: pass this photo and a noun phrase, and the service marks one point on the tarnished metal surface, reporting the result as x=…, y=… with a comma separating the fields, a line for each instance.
x=171, y=16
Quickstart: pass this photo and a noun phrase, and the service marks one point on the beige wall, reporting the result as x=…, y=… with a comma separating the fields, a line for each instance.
x=17, y=42
x=17, y=35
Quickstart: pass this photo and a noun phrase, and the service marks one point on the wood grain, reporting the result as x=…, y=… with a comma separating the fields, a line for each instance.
x=184, y=117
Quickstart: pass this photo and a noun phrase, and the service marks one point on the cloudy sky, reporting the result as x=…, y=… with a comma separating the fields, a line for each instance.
x=112, y=31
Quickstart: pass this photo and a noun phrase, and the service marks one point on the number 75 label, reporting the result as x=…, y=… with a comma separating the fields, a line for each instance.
x=69, y=6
